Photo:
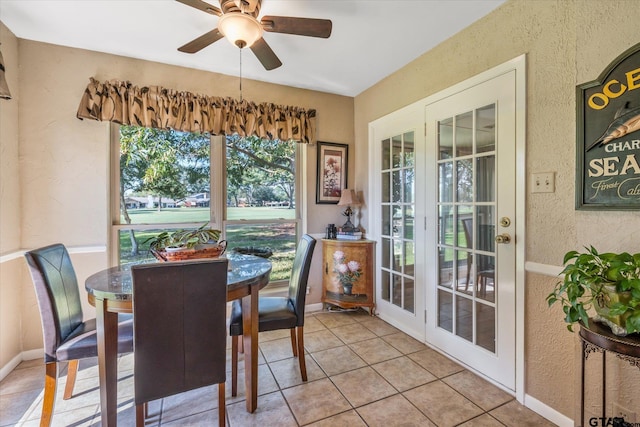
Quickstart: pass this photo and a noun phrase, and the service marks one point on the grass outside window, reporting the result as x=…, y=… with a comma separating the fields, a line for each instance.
x=279, y=237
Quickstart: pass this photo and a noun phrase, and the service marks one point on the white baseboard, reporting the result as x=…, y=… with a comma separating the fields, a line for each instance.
x=6, y=369
x=33, y=354
x=13, y=363
x=313, y=307
x=548, y=412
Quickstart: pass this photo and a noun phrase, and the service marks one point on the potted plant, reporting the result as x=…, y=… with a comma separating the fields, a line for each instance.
x=198, y=238
x=607, y=282
x=195, y=243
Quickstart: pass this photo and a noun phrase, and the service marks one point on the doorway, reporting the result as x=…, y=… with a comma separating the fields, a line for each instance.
x=466, y=216
x=471, y=292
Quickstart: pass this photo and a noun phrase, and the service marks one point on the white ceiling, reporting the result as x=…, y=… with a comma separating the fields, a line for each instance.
x=370, y=40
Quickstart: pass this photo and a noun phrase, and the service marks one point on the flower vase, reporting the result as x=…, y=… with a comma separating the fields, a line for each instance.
x=347, y=289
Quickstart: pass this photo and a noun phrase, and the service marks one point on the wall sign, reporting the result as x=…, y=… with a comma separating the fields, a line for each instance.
x=608, y=137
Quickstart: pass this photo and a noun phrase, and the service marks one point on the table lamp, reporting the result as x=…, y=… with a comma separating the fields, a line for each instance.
x=348, y=198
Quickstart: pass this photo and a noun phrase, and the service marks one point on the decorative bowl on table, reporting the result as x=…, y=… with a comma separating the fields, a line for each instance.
x=207, y=250
x=181, y=245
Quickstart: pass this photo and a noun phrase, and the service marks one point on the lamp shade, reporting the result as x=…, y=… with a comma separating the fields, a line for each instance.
x=241, y=30
x=349, y=198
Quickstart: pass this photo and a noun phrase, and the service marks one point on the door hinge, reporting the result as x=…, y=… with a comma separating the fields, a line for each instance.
x=425, y=223
x=425, y=317
x=425, y=129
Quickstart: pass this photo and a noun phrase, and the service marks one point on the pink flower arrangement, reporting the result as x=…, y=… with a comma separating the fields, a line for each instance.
x=348, y=272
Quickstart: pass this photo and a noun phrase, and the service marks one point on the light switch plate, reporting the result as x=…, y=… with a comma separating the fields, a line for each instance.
x=543, y=182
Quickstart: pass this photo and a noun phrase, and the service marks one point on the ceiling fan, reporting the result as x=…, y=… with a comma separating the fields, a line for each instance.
x=239, y=24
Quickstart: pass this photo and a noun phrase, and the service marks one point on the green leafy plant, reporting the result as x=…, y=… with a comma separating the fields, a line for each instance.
x=587, y=275
x=183, y=238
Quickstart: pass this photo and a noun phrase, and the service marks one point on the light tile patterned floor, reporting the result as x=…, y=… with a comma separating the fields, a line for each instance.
x=361, y=372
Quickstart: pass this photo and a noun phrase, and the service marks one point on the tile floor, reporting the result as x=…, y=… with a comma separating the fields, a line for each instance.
x=361, y=372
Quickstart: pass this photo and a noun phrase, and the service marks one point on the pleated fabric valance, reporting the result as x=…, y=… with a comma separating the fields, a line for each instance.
x=157, y=107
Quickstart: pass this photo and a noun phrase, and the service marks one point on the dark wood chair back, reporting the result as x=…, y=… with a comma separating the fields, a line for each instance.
x=300, y=276
x=179, y=328
x=67, y=337
x=58, y=296
x=279, y=312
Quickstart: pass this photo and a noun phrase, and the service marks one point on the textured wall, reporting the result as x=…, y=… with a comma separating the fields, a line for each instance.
x=567, y=43
x=10, y=271
x=9, y=176
x=10, y=293
x=549, y=349
x=602, y=34
x=63, y=161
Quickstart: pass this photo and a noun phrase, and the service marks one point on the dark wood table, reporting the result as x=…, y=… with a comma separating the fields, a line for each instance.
x=599, y=338
x=111, y=292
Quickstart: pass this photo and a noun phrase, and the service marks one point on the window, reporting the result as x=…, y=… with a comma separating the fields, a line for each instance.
x=169, y=180
x=261, y=198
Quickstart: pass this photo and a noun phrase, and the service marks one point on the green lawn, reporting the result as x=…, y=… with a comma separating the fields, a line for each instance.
x=260, y=213
x=280, y=238
x=167, y=215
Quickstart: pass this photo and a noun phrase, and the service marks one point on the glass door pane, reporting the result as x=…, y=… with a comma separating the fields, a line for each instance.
x=466, y=206
x=397, y=227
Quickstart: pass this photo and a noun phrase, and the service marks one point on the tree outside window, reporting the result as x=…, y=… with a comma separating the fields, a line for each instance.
x=165, y=184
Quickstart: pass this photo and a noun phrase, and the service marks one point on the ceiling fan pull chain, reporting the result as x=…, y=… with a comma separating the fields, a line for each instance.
x=240, y=75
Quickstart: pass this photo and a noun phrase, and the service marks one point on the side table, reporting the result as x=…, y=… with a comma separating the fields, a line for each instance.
x=599, y=338
x=359, y=291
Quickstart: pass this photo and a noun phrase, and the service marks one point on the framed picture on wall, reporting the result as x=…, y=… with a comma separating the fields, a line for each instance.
x=332, y=172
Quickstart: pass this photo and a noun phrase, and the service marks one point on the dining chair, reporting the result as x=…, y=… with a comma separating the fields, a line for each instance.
x=276, y=313
x=67, y=338
x=467, y=223
x=485, y=270
x=180, y=330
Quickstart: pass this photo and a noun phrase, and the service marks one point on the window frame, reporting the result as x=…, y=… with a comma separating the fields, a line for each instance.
x=217, y=188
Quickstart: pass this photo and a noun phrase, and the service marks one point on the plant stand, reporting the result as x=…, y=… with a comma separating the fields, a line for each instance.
x=599, y=338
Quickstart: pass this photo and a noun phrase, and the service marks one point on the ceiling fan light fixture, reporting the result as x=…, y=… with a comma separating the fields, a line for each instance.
x=240, y=29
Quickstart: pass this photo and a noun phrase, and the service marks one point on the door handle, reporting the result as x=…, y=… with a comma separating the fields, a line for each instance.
x=503, y=238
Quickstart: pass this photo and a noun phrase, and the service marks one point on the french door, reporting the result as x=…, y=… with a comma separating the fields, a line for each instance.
x=471, y=298
x=398, y=155
x=446, y=189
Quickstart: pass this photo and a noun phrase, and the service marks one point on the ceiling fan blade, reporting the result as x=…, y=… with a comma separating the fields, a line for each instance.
x=298, y=26
x=203, y=6
x=201, y=42
x=265, y=55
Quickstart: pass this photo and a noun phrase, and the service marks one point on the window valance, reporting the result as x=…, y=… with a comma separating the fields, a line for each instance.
x=158, y=107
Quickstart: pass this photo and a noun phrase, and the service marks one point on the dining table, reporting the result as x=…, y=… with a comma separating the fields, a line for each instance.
x=110, y=291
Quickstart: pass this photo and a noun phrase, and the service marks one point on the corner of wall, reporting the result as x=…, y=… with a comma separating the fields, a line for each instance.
x=11, y=264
